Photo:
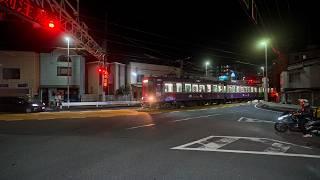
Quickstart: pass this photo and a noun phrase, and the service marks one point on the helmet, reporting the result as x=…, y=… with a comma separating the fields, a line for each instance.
x=304, y=102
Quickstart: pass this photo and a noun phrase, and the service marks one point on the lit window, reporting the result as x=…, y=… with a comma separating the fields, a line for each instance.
x=168, y=87
x=187, y=87
x=202, y=88
x=215, y=88
x=220, y=88
x=237, y=89
x=179, y=87
x=208, y=88
x=194, y=87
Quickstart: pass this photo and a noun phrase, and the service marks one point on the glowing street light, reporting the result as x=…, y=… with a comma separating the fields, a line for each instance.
x=265, y=44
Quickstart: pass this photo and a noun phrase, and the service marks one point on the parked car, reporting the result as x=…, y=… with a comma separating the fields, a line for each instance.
x=20, y=104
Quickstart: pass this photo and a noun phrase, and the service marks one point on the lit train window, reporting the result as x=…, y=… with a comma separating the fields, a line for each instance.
x=168, y=87
x=252, y=89
x=179, y=87
x=208, y=88
x=220, y=88
x=237, y=89
x=195, y=87
x=255, y=89
x=215, y=88
x=241, y=89
x=187, y=87
x=202, y=88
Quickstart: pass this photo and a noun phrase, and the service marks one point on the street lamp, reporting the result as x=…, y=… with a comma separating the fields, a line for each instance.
x=207, y=64
x=265, y=44
x=67, y=38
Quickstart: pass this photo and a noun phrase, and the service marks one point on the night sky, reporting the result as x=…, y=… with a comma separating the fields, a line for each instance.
x=163, y=31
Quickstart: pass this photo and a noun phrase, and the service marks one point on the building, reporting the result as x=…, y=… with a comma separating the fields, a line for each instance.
x=19, y=73
x=44, y=75
x=301, y=79
x=54, y=78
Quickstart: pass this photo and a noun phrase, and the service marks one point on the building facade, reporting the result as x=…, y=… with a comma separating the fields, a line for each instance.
x=57, y=72
x=301, y=79
x=19, y=73
x=44, y=75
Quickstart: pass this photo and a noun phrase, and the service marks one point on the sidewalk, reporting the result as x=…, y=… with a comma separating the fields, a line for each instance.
x=74, y=106
x=278, y=106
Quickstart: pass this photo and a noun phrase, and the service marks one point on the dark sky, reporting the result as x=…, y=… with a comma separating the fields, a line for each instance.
x=217, y=30
x=166, y=31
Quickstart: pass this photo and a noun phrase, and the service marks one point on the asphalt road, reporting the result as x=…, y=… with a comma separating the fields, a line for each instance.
x=211, y=143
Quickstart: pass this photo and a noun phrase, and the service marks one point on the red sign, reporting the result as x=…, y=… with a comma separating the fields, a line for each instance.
x=105, y=78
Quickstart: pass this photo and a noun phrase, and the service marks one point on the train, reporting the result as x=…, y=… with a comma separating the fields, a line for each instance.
x=166, y=92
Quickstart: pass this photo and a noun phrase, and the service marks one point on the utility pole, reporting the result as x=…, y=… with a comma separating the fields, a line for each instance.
x=181, y=68
x=181, y=65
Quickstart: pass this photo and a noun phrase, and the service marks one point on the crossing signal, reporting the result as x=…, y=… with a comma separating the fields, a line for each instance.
x=51, y=24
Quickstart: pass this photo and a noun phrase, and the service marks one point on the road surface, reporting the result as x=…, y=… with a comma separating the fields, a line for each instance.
x=234, y=141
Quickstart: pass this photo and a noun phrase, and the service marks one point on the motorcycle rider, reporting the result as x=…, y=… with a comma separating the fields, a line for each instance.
x=304, y=113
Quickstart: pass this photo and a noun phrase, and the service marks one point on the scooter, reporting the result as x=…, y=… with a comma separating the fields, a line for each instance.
x=288, y=121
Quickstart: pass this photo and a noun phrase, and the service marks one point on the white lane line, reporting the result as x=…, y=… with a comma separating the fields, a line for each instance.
x=203, y=109
x=251, y=152
x=175, y=111
x=147, y=125
x=186, y=119
x=192, y=110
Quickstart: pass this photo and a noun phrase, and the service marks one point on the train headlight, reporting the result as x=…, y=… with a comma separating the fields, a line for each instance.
x=151, y=98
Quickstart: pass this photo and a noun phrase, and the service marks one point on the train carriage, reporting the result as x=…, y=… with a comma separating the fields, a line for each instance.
x=166, y=91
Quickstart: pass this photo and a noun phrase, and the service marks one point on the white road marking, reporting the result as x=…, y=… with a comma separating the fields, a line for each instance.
x=276, y=148
x=251, y=120
x=189, y=118
x=219, y=143
x=175, y=111
x=147, y=125
x=251, y=152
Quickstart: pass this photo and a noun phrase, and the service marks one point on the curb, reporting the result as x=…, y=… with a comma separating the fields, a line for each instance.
x=275, y=108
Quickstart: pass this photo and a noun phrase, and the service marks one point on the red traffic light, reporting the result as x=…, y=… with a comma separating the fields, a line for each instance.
x=101, y=69
x=51, y=24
